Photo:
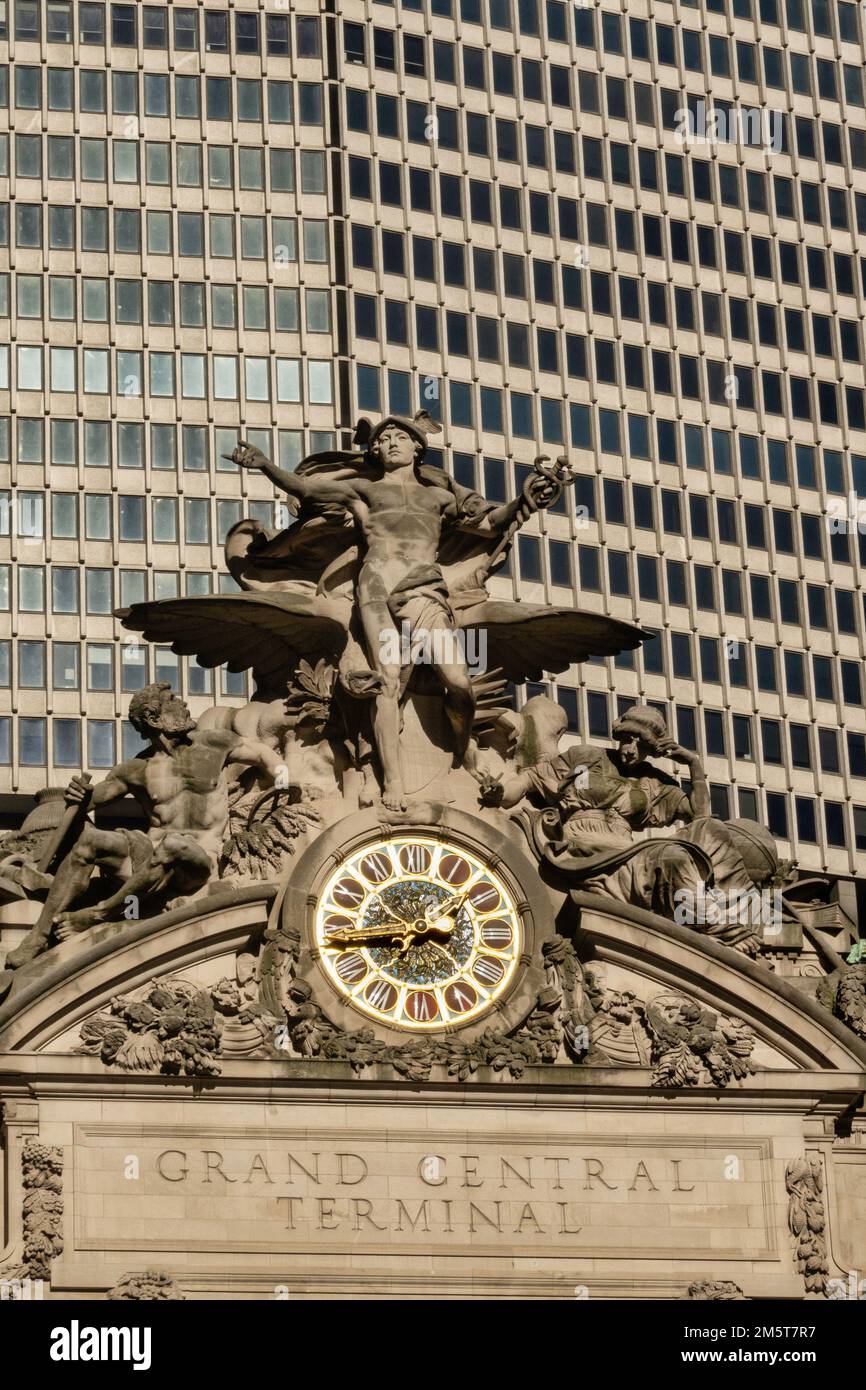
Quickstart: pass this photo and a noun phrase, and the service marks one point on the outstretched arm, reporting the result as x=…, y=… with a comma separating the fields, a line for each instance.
x=314, y=489
x=535, y=494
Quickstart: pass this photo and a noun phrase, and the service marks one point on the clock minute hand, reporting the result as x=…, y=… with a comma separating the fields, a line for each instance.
x=436, y=914
x=377, y=932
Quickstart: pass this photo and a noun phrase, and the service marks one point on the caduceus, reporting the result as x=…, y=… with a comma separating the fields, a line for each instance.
x=556, y=476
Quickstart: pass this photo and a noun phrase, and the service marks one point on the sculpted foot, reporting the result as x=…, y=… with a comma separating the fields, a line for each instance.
x=393, y=797
x=67, y=924
x=369, y=791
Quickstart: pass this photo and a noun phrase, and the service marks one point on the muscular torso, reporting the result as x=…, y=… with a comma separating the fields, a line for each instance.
x=186, y=789
x=401, y=522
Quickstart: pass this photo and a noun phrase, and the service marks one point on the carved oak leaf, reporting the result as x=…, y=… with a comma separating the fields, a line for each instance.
x=414, y=1060
x=678, y=1066
x=310, y=693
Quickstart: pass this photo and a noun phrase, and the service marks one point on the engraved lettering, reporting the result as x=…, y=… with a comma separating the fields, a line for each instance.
x=641, y=1172
x=215, y=1166
x=312, y=1172
x=471, y=1172
x=528, y=1215
x=163, y=1174
x=290, y=1210
x=327, y=1214
x=494, y=1222
x=345, y=1175
x=594, y=1169
x=362, y=1208
x=525, y=1178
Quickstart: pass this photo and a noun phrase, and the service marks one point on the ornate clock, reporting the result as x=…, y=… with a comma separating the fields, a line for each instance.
x=420, y=928
x=418, y=932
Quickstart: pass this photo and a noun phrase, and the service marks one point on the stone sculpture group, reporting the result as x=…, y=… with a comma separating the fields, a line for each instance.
x=354, y=621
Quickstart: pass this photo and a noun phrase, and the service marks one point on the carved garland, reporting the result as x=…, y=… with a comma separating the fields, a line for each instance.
x=718, y=1290
x=844, y=994
x=177, y=1028
x=804, y=1180
x=169, y=1026
x=42, y=1208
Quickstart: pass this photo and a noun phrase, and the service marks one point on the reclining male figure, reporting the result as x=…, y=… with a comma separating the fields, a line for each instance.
x=181, y=781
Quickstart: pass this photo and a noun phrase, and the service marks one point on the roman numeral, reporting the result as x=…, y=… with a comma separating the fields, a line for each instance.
x=415, y=859
x=422, y=1007
x=460, y=998
x=348, y=893
x=376, y=867
x=484, y=897
x=488, y=970
x=351, y=967
x=381, y=995
x=453, y=869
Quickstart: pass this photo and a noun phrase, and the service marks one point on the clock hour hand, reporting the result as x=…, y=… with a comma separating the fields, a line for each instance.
x=447, y=954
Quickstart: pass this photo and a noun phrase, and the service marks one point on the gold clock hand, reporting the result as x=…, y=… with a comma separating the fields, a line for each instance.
x=347, y=935
x=436, y=914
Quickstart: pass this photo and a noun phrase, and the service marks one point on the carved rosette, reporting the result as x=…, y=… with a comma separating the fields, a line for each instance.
x=804, y=1181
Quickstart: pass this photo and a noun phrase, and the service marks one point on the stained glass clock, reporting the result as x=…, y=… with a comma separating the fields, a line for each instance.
x=418, y=933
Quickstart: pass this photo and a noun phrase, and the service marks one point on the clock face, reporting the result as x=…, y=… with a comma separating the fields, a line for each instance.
x=418, y=933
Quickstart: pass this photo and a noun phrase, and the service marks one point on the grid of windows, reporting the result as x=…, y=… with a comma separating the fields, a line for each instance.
x=550, y=253
x=169, y=246
x=634, y=237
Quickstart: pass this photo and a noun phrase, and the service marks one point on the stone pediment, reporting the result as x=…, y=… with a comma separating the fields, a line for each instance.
x=616, y=977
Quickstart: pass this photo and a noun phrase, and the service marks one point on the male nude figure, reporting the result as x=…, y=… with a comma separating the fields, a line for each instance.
x=400, y=518
x=181, y=781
